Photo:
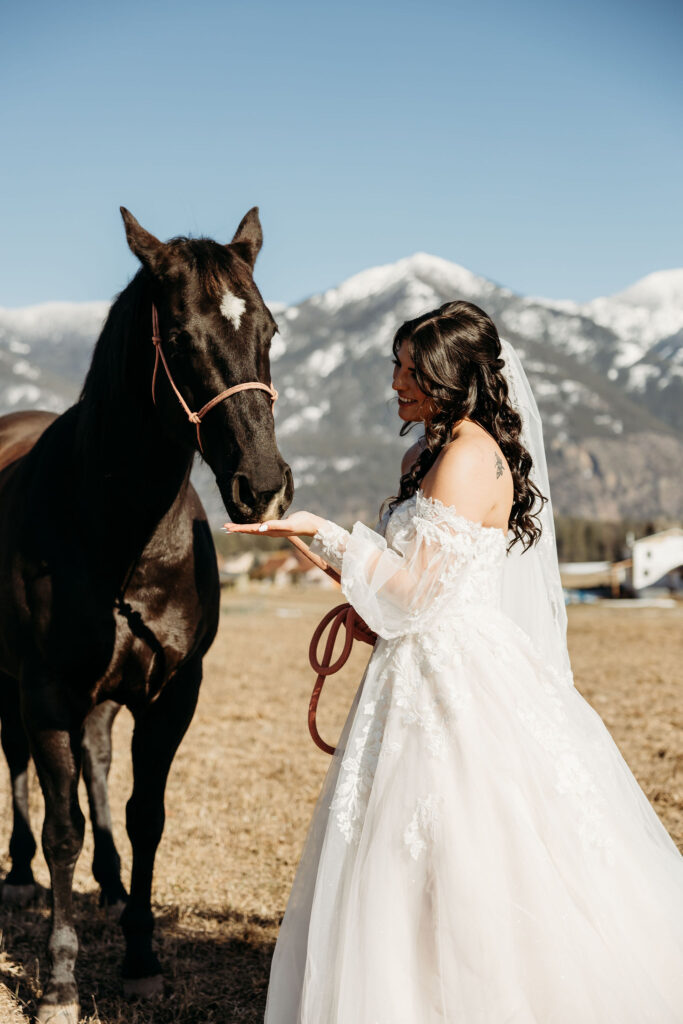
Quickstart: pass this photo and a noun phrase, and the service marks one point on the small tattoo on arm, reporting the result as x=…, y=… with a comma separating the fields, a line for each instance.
x=499, y=466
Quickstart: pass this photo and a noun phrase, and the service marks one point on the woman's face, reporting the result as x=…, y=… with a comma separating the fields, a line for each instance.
x=413, y=404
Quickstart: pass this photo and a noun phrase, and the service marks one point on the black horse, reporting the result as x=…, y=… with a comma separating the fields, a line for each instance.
x=108, y=581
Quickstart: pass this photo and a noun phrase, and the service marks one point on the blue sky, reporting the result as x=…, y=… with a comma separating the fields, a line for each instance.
x=536, y=143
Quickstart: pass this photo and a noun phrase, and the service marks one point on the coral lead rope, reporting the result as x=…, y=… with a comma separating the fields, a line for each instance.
x=197, y=417
x=356, y=629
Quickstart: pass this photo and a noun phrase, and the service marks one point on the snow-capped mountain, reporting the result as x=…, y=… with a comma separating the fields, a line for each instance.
x=607, y=375
x=45, y=351
x=649, y=310
x=647, y=319
x=337, y=417
x=639, y=316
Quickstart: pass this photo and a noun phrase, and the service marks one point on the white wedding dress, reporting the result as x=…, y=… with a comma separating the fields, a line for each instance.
x=480, y=853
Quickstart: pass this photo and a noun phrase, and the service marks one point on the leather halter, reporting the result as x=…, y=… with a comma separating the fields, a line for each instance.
x=356, y=629
x=197, y=417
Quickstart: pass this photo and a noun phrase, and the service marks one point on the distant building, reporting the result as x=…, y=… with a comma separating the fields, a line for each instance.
x=658, y=559
x=594, y=576
x=234, y=572
x=288, y=566
x=278, y=568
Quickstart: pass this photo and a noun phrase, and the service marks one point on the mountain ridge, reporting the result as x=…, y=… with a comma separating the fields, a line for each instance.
x=598, y=375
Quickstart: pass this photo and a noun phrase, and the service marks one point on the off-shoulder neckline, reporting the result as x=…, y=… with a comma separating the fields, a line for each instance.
x=452, y=510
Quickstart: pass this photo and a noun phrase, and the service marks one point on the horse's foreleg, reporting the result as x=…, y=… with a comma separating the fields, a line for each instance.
x=158, y=732
x=96, y=750
x=19, y=886
x=55, y=745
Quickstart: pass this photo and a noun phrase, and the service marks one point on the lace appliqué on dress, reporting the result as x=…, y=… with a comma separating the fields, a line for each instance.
x=424, y=825
x=330, y=543
x=573, y=778
x=358, y=770
x=432, y=510
x=421, y=676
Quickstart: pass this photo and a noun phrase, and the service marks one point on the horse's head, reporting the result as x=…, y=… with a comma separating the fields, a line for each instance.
x=216, y=332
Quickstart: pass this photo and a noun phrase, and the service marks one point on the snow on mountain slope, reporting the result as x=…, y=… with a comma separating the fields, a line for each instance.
x=660, y=291
x=657, y=380
x=44, y=352
x=53, y=321
x=436, y=274
x=640, y=316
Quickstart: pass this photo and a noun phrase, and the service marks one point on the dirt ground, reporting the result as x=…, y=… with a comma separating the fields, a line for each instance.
x=243, y=786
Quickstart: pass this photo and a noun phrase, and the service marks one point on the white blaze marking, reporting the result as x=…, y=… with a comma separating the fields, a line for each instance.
x=272, y=512
x=232, y=308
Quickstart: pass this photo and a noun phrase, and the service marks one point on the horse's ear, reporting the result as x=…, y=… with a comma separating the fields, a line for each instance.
x=148, y=249
x=248, y=237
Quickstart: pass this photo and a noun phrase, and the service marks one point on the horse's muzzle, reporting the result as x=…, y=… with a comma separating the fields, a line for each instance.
x=251, y=501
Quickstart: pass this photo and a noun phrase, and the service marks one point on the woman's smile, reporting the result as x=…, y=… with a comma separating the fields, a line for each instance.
x=411, y=400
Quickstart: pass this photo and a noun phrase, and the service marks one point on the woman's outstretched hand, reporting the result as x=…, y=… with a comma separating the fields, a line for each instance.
x=299, y=524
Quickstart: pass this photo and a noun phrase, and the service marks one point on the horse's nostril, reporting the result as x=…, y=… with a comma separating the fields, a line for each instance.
x=241, y=491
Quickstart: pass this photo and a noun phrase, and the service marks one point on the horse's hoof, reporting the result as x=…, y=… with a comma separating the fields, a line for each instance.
x=19, y=895
x=58, y=1013
x=114, y=910
x=143, y=988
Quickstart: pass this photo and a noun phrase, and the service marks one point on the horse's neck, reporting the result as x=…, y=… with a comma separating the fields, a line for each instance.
x=147, y=472
x=140, y=497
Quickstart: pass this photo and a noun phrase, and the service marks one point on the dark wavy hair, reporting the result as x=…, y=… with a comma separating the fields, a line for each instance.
x=457, y=356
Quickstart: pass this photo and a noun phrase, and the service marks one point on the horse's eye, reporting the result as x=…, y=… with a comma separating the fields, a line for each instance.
x=182, y=338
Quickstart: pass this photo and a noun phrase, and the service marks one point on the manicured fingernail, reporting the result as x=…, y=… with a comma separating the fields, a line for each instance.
x=263, y=527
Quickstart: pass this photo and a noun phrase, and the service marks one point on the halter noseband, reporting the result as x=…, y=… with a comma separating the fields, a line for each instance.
x=197, y=417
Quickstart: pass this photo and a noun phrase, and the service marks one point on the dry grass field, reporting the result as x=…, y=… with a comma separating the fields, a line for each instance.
x=241, y=792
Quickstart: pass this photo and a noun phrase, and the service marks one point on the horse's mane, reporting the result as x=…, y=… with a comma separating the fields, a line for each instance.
x=105, y=381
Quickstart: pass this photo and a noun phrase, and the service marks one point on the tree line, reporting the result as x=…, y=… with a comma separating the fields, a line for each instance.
x=592, y=540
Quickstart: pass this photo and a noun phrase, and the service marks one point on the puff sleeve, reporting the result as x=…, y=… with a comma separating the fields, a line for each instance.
x=400, y=589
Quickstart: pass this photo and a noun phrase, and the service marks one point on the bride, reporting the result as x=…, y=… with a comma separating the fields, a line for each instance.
x=480, y=852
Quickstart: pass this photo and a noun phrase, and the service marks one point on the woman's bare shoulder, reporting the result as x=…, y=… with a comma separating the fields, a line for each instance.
x=471, y=475
x=465, y=458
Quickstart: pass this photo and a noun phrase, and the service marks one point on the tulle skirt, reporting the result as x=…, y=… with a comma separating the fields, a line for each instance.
x=480, y=854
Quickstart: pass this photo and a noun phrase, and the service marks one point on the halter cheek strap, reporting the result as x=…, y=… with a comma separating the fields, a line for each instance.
x=197, y=417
